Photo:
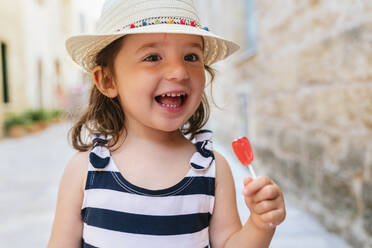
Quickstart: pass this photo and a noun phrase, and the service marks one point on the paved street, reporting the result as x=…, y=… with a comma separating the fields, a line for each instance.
x=32, y=166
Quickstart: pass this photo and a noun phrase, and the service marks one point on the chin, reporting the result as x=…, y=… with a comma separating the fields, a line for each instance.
x=169, y=127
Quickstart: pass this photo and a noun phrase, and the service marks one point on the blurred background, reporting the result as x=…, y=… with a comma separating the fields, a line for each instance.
x=300, y=89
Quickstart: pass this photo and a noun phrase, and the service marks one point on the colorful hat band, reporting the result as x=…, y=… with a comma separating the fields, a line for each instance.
x=163, y=20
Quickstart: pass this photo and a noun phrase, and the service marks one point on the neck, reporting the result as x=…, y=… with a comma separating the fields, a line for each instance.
x=149, y=137
x=153, y=136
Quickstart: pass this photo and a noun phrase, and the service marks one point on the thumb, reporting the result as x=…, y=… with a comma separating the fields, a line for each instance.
x=248, y=199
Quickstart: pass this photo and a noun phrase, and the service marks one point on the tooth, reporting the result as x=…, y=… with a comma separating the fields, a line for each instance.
x=173, y=94
x=163, y=95
x=178, y=94
x=168, y=94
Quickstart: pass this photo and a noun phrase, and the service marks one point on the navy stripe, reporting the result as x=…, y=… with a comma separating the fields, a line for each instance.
x=85, y=245
x=105, y=180
x=198, y=167
x=97, y=161
x=147, y=224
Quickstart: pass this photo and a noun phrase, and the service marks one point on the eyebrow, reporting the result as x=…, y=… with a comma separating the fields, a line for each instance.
x=157, y=44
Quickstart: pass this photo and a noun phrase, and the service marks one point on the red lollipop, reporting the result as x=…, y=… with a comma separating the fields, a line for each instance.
x=243, y=151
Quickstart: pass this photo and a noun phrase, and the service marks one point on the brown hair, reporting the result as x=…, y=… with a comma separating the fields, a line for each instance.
x=105, y=116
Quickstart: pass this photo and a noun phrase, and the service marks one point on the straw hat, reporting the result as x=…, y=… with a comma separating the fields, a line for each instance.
x=121, y=17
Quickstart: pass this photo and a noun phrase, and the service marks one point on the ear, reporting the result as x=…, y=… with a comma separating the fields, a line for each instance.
x=104, y=81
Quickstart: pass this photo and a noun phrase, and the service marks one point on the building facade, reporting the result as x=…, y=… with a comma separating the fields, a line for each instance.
x=301, y=90
x=35, y=69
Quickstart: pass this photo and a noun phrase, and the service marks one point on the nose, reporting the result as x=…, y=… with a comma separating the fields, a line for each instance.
x=176, y=70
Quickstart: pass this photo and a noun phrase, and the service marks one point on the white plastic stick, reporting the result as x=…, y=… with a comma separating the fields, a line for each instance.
x=252, y=171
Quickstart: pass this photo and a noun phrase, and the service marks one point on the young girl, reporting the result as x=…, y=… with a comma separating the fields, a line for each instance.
x=140, y=182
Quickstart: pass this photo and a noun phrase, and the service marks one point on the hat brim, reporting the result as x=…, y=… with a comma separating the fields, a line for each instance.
x=83, y=49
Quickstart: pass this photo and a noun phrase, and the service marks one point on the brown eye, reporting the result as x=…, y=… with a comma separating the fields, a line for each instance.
x=192, y=57
x=152, y=58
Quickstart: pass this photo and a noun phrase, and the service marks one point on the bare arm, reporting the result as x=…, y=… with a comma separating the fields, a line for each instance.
x=226, y=229
x=68, y=225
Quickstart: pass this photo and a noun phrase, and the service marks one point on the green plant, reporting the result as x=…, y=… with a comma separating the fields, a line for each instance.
x=29, y=117
x=55, y=114
x=36, y=115
x=16, y=120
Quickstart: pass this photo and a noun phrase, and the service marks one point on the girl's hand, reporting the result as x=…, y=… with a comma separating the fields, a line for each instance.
x=265, y=202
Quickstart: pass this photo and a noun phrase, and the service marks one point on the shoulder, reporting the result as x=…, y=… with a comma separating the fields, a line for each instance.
x=67, y=225
x=77, y=168
x=223, y=171
x=78, y=162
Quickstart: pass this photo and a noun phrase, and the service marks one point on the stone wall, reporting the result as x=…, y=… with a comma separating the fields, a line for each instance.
x=311, y=108
x=309, y=92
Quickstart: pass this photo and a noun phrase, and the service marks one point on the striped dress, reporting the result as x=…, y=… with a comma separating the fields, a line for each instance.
x=117, y=213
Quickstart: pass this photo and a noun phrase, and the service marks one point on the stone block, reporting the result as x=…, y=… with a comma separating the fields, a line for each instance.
x=338, y=196
x=265, y=132
x=367, y=200
x=311, y=181
x=366, y=108
x=305, y=111
x=289, y=141
x=343, y=103
x=335, y=147
x=315, y=63
x=297, y=176
x=368, y=164
x=355, y=44
x=314, y=152
x=264, y=155
x=352, y=162
x=354, y=239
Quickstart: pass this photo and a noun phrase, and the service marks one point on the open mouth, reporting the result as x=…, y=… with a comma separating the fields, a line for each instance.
x=171, y=100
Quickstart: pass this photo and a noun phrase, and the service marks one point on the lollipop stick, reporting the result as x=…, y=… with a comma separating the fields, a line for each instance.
x=252, y=171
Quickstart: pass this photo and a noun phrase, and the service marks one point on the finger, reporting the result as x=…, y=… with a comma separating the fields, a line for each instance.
x=266, y=206
x=249, y=202
x=268, y=192
x=257, y=184
x=275, y=216
x=247, y=180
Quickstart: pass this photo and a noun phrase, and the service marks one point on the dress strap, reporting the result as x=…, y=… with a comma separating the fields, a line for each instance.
x=99, y=156
x=204, y=156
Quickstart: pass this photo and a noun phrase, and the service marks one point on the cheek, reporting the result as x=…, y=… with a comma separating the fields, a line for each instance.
x=200, y=80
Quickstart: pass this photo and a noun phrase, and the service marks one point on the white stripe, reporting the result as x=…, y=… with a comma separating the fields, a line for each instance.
x=209, y=146
x=203, y=136
x=198, y=159
x=101, y=151
x=107, y=239
x=139, y=204
x=210, y=172
x=211, y=206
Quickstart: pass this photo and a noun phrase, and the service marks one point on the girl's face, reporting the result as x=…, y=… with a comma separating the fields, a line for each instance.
x=160, y=79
